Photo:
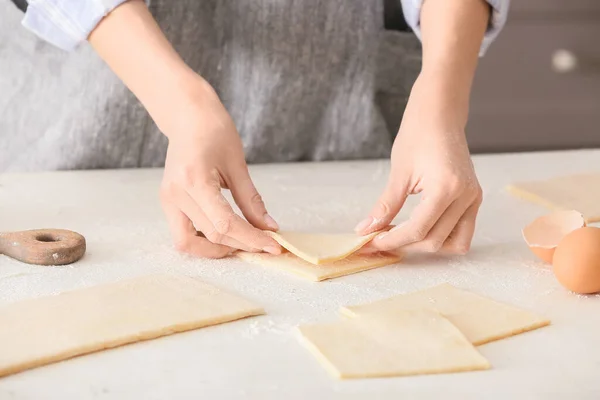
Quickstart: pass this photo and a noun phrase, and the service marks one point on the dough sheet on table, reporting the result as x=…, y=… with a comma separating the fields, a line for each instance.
x=480, y=319
x=403, y=342
x=575, y=192
x=49, y=329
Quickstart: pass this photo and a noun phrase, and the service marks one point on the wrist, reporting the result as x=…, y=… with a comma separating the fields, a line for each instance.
x=179, y=110
x=443, y=101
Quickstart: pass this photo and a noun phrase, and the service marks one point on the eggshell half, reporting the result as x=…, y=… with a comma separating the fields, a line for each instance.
x=543, y=234
x=577, y=261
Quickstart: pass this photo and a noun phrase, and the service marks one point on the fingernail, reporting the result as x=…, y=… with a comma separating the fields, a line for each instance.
x=272, y=250
x=381, y=236
x=271, y=222
x=364, y=224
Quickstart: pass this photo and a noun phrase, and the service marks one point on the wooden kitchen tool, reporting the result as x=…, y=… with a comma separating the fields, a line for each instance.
x=43, y=246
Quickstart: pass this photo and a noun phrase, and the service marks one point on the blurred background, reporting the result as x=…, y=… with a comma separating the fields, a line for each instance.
x=538, y=87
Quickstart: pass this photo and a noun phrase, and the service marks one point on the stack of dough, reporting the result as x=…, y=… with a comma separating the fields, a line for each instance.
x=320, y=256
x=430, y=331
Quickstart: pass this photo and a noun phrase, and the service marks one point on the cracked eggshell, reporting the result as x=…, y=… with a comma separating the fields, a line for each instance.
x=543, y=234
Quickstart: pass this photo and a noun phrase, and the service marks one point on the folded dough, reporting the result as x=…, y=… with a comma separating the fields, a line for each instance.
x=320, y=256
x=321, y=248
x=351, y=265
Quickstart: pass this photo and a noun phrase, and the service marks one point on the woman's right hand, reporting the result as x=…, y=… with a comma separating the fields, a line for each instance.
x=205, y=155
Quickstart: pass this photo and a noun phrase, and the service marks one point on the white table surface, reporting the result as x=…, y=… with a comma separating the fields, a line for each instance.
x=261, y=358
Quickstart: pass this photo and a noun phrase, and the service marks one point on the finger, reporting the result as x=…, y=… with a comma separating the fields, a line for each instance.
x=459, y=241
x=437, y=236
x=387, y=207
x=226, y=222
x=369, y=248
x=186, y=238
x=250, y=201
x=422, y=219
x=367, y=251
x=202, y=223
x=182, y=201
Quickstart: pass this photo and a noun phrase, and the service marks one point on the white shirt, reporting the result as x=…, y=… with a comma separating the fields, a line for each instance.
x=67, y=23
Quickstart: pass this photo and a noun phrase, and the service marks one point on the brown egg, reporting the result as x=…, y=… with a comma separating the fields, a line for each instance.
x=577, y=260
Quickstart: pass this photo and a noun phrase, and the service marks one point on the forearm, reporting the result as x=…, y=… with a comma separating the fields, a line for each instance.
x=133, y=45
x=452, y=33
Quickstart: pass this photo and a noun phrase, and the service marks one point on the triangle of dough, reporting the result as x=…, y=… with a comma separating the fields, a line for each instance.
x=321, y=248
x=402, y=343
x=480, y=319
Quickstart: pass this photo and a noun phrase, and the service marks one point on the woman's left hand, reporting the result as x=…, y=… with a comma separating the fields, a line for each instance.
x=430, y=156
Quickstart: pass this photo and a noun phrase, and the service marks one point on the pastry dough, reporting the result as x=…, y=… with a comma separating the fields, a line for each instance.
x=50, y=329
x=393, y=344
x=480, y=319
x=575, y=192
x=289, y=262
x=321, y=256
x=321, y=248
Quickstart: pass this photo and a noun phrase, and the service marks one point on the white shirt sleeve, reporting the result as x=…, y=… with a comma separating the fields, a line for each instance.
x=66, y=23
x=412, y=14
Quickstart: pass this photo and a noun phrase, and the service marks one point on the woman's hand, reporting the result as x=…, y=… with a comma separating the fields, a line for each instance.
x=205, y=154
x=430, y=156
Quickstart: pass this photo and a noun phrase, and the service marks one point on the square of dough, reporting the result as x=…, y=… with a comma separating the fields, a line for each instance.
x=480, y=319
x=576, y=192
x=289, y=262
x=393, y=344
x=54, y=328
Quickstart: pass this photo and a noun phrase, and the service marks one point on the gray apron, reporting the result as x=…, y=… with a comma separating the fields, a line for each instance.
x=303, y=80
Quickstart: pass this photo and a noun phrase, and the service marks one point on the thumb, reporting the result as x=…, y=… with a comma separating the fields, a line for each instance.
x=387, y=207
x=249, y=200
